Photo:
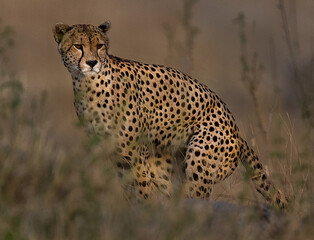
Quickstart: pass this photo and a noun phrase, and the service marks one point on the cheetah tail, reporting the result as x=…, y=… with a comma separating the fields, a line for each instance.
x=259, y=177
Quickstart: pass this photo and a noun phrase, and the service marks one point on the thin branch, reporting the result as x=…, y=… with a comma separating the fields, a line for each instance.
x=250, y=72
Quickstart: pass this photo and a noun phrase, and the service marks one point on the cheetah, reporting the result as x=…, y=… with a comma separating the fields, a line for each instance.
x=152, y=112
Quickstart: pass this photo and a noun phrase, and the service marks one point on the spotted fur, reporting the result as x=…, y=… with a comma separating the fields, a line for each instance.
x=152, y=112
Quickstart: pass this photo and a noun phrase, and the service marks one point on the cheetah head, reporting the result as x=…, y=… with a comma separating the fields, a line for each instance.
x=83, y=48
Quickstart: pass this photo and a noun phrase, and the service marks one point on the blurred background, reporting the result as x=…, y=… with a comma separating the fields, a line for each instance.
x=258, y=56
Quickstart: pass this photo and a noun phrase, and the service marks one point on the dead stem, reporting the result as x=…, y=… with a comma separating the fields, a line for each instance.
x=300, y=90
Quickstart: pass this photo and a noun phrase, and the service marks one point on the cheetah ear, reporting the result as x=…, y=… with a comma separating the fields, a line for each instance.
x=105, y=26
x=59, y=30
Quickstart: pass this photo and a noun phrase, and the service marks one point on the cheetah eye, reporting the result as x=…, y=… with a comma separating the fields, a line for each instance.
x=99, y=46
x=78, y=46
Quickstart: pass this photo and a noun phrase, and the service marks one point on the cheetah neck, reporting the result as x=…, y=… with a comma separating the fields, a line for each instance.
x=89, y=93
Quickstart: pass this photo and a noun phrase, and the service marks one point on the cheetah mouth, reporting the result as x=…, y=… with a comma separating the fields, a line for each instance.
x=90, y=72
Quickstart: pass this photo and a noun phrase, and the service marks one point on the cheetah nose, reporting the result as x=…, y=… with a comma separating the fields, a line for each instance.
x=91, y=63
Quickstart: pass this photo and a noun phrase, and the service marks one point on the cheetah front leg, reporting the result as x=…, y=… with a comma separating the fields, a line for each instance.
x=138, y=183
x=152, y=175
x=146, y=176
x=161, y=171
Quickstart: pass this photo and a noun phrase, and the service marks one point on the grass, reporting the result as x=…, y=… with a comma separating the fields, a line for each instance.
x=48, y=192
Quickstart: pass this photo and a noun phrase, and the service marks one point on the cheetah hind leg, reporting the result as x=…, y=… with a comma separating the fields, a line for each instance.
x=210, y=158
